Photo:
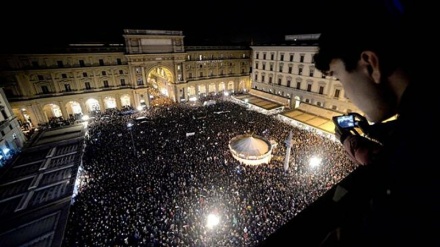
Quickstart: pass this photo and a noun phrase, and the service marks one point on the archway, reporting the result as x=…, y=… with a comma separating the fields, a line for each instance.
x=109, y=103
x=52, y=111
x=202, y=89
x=93, y=106
x=297, y=102
x=191, y=91
x=125, y=100
x=160, y=78
x=211, y=88
x=221, y=86
x=74, y=110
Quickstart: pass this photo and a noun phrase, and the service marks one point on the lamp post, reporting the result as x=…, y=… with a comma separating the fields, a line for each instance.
x=129, y=126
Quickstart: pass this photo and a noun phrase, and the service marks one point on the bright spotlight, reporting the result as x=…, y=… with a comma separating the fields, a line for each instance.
x=314, y=162
x=129, y=125
x=226, y=93
x=212, y=221
x=85, y=117
x=140, y=108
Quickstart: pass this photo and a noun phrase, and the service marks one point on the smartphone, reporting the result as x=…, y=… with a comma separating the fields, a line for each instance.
x=345, y=121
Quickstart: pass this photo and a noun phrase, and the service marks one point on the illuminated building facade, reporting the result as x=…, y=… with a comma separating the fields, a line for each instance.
x=286, y=74
x=84, y=78
x=12, y=137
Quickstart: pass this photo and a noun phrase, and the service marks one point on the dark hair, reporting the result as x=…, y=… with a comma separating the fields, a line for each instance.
x=371, y=26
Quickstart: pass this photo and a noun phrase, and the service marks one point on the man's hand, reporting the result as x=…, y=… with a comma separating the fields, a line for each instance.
x=341, y=133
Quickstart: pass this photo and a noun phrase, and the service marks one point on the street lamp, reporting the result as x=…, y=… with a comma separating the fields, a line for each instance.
x=129, y=126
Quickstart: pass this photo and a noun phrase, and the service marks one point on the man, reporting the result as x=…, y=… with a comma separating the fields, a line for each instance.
x=382, y=73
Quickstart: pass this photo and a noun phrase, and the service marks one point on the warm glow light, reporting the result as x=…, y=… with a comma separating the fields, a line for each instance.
x=140, y=108
x=315, y=162
x=85, y=117
x=212, y=221
x=226, y=93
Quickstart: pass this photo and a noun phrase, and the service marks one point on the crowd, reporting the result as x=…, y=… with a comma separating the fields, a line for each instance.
x=162, y=196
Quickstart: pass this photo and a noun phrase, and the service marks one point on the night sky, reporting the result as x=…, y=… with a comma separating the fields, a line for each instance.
x=38, y=24
x=240, y=21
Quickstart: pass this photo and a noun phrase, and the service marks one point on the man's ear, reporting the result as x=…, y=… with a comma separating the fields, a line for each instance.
x=371, y=61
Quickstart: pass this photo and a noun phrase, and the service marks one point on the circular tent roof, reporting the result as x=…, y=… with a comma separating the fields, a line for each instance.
x=251, y=149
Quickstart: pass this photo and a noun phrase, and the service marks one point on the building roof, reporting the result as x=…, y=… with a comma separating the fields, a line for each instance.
x=250, y=145
x=36, y=189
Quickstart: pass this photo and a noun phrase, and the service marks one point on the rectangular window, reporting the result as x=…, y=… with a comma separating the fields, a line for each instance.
x=60, y=64
x=262, y=78
x=256, y=77
x=311, y=72
x=321, y=90
x=84, y=74
x=81, y=63
x=309, y=88
x=5, y=116
x=291, y=58
x=271, y=67
x=301, y=59
x=300, y=71
x=87, y=84
x=256, y=65
x=282, y=57
x=105, y=83
x=190, y=75
x=40, y=78
x=272, y=56
x=264, y=56
x=257, y=55
x=67, y=87
x=45, y=89
x=264, y=66
x=118, y=61
x=288, y=83
x=122, y=82
x=121, y=72
x=279, y=81
x=298, y=85
x=270, y=80
x=201, y=74
x=281, y=68
x=101, y=62
x=64, y=76
x=104, y=73
x=337, y=92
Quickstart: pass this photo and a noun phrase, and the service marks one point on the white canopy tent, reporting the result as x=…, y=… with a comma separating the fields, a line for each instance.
x=251, y=149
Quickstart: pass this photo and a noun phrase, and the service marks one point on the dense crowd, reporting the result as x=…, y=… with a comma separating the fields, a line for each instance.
x=163, y=195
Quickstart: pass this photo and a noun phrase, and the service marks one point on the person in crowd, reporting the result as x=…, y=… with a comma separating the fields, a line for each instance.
x=380, y=71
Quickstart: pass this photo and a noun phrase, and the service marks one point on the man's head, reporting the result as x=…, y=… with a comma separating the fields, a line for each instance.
x=365, y=49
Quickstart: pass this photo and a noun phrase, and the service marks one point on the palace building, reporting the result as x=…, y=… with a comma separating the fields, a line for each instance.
x=84, y=78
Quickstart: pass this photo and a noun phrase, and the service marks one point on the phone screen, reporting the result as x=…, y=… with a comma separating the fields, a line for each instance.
x=346, y=121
